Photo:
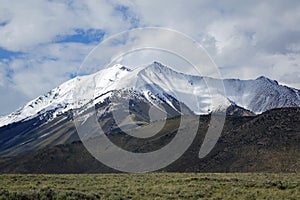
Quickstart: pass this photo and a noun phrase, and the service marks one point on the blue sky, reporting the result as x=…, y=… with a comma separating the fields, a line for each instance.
x=43, y=43
x=82, y=36
x=6, y=54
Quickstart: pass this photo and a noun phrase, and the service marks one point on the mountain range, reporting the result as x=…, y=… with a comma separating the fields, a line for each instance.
x=142, y=96
x=157, y=82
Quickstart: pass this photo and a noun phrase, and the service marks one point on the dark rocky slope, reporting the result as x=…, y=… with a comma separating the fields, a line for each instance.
x=264, y=143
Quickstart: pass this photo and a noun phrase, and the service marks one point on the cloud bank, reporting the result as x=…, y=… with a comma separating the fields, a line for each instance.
x=43, y=43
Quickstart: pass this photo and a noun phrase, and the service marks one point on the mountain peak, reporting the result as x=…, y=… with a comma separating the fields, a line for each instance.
x=159, y=64
x=161, y=68
x=264, y=78
x=256, y=95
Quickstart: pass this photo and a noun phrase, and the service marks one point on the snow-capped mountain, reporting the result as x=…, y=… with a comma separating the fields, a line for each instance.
x=157, y=83
x=60, y=99
x=261, y=94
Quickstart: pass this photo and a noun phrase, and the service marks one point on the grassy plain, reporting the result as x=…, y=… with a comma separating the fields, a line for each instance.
x=151, y=186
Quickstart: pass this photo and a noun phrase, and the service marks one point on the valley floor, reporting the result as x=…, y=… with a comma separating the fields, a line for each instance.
x=152, y=186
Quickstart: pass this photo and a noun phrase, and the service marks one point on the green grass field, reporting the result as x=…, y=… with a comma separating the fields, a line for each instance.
x=151, y=186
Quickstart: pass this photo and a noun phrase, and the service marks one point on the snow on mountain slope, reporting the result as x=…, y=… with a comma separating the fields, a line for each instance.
x=257, y=95
x=157, y=80
x=261, y=94
x=190, y=90
x=60, y=99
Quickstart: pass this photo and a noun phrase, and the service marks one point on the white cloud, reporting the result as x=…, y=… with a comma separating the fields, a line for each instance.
x=37, y=72
x=246, y=39
x=2, y=75
x=46, y=67
x=34, y=22
x=31, y=27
